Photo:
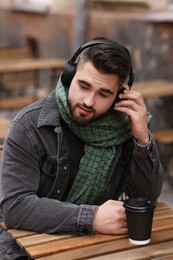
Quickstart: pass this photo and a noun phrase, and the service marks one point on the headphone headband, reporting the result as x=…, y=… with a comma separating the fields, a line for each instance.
x=89, y=44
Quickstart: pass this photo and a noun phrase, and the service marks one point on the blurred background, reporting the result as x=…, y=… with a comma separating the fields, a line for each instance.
x=38, y=37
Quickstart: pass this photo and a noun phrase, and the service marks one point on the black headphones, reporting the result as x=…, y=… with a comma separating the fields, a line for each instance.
x=70, y=67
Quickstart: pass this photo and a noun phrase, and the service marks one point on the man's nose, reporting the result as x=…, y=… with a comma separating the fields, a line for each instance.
x=89, y=100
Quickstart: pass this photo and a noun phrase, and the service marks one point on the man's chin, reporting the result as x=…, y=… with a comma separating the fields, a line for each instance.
x=81, y=120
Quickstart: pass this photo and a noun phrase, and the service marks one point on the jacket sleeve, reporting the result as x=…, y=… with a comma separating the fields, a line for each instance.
x=19, y=183
x=147, y=173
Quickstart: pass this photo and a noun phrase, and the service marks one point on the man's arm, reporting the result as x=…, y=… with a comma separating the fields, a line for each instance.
x=146, y=170
x=20, y=177
x=147, y=173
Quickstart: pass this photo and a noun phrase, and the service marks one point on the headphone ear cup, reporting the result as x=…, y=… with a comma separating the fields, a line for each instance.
x=68, y=73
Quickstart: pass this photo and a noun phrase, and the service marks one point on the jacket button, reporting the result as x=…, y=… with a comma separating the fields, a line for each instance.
x=65, y=168
x=58, y=191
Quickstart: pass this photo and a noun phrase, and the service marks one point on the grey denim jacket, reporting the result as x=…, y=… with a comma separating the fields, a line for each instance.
x=35, y=172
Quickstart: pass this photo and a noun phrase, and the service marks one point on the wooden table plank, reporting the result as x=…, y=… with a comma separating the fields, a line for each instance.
x=17, y=233
x=20, y=233
x=161, y=206
x=70, y=244
x=3, y=225
x=141, y=253
x=163, y=214
x=162, y=224
x=31, y=65
x=106, y=248
x=170, y=257
x=38, y=239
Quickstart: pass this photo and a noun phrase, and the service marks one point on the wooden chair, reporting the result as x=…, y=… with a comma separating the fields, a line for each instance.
x=164, y=139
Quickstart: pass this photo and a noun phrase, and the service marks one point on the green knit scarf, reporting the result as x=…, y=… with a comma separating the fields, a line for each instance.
x=100, y=137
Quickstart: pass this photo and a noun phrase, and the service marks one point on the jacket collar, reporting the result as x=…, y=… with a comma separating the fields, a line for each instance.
x=49, y=114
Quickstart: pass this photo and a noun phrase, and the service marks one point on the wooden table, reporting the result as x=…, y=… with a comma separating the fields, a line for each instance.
x=15, y=53
x=30, y=65
x=154, y=88
x=101, y=247
x=19, y=76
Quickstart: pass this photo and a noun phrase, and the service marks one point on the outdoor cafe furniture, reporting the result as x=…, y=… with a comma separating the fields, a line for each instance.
x=20, y=76
x=99, y=246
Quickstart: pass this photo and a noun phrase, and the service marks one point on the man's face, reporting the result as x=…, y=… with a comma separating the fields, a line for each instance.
x=91, y=93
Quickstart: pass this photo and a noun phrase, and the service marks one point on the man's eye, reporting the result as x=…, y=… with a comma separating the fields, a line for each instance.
x=83, y=86
x=103, y=94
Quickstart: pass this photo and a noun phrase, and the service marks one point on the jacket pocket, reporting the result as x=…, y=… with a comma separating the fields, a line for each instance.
x=48, y=174
x=48, y=170
x=49, y=167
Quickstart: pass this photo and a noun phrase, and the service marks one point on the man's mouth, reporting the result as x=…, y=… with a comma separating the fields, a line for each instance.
x=85, y=110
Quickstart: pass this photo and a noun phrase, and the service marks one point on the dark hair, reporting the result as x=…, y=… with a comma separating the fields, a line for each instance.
x=108, y=59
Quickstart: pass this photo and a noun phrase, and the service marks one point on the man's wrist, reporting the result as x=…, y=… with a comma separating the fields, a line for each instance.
x=144, y=145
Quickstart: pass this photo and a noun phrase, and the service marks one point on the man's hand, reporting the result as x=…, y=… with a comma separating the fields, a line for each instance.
x=136, y=110
x=110, y=218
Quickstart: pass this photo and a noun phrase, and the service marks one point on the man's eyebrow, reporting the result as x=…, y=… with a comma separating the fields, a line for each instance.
x=84, y=82
x=106, y=91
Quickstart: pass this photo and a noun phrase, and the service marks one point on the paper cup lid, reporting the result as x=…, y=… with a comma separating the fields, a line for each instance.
x=142, y=204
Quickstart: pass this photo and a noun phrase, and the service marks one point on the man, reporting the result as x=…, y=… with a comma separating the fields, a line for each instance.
x=70, y=158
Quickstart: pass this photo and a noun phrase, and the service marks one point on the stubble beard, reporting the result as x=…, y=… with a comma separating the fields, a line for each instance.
x=79, y=119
